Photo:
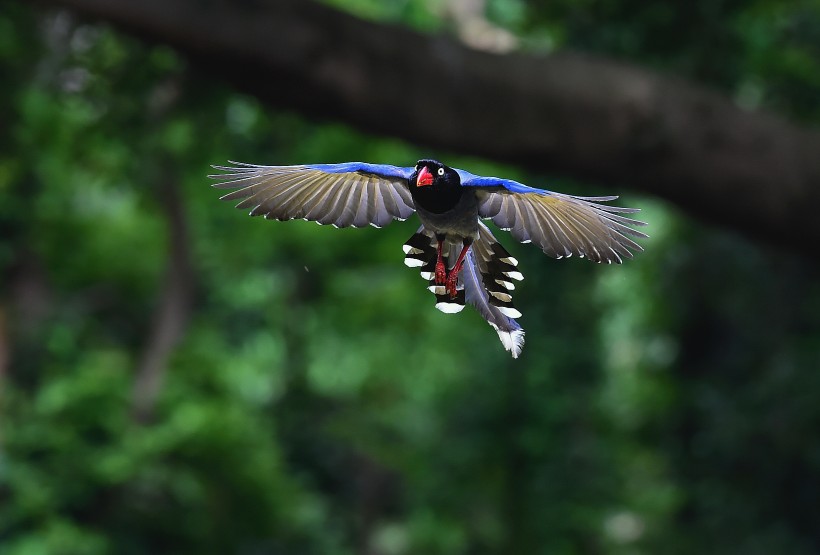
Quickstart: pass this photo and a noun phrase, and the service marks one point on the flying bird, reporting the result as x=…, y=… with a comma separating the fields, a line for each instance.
x=455, y=252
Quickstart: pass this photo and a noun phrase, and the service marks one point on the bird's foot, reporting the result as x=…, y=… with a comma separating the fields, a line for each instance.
x=452, y=277
x=441, y=273
x=452, y=281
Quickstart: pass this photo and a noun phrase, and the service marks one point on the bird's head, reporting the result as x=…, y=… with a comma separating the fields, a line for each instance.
x=434, y=174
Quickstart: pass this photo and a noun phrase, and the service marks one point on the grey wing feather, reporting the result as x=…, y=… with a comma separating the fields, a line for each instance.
x=342, y=199
x=563, y=225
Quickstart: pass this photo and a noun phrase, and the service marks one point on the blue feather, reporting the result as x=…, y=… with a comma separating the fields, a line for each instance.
x=471, y=180
x=382, y=170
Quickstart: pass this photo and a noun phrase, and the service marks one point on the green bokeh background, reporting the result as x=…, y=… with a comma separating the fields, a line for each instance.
x=316, y=402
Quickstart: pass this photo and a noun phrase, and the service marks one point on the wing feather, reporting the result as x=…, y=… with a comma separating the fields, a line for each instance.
x=322, y=210
x=347, y=207
x=520, y=223
x=406, y=207
x=288, y=203
x=254, y=194
x=554, y=240
x=351, y=194
x=359, y=207
x=563, y=225
x=381, y=216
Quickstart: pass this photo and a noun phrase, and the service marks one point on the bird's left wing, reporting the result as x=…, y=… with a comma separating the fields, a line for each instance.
x=562, y=225
x=350, y=194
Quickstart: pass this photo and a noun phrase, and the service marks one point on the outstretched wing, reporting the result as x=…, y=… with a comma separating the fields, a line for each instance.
x=350, y=194
x=562, y=225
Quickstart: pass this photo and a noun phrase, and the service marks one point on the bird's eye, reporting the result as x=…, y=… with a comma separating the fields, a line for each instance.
x=418, y=167
x=441, y=171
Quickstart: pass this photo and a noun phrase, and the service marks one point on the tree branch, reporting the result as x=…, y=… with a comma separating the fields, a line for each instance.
x=171, y=316
x=589, y=118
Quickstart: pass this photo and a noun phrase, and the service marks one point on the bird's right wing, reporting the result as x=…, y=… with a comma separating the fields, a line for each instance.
x=350, y=194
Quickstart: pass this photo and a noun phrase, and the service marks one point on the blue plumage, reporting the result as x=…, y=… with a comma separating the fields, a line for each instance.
x=383, y=170
x=471, y=180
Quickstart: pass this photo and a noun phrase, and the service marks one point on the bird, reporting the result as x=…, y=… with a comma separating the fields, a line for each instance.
x=454, y=250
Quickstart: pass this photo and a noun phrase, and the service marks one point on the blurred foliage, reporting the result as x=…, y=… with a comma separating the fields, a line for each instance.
x=317, y=403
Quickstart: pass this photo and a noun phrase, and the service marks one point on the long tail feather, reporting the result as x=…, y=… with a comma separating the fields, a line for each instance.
x=483, y=291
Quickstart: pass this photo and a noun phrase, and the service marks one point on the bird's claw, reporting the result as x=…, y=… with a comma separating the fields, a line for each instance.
x=441, y=273
x=450, y=286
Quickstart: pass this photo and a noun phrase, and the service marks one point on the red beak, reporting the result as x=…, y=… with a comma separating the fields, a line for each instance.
x=424, y=178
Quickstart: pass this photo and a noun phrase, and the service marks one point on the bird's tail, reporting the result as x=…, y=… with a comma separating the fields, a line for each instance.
x=488, y=276
x=486, y=281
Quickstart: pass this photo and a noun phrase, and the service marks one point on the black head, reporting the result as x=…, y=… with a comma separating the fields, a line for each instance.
x=435, y=187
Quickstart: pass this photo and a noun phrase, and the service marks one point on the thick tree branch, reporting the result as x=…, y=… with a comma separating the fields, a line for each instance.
x=586, y=117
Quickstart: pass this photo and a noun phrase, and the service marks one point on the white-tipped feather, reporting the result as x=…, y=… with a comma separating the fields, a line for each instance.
x=501, y=296
x=509, y=312
x=513, y=341
x=413, y=262
x=507, y=284
x=449, y=308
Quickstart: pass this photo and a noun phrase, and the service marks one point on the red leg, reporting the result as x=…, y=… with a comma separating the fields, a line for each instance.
x=441, y=269
x=452, y=277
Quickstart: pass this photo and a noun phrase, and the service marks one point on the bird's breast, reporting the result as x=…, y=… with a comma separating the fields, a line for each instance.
x=438, y=199
x=461, y=219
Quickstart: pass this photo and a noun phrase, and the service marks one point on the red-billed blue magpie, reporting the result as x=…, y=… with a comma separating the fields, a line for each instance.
x=454, y=250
